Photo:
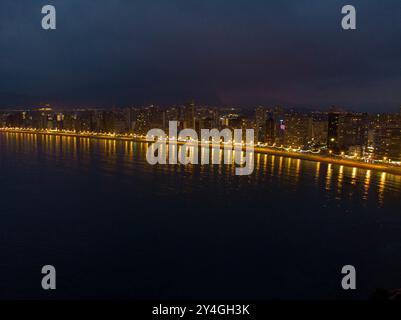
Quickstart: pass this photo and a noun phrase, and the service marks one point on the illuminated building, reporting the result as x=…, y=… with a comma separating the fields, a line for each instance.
x=353, y=132
x=319, y=128
x=260, y=124
x=333, y=131
x=298, y=129
x=387, y=144
x=189, y=116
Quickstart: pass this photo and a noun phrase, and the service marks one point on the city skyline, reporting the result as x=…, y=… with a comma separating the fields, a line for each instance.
x=361, y=136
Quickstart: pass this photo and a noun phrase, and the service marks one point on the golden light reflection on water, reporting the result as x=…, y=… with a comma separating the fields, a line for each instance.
x=367, y=184
x=273, y=164
x=328, y=176
x=349, y=182
x=298, y=170
x=382, y=186
x=280, y=165
x=257, y=165
x=354, y=173
x=340, y=179
x=317, y=174
x=288, y=165
x=265, y=163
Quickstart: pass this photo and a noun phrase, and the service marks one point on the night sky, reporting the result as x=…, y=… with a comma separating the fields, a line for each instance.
x=220, y=52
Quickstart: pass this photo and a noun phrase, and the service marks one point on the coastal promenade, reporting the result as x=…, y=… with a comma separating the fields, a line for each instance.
x=383, y=167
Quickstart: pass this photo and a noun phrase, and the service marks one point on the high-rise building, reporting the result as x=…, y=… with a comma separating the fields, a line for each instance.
x=333, y=120
x=319, y=128
x=353, y=132
x=277, y=113
x=189, y=116
x=347, y=131
x=298, y=129
x=260, y=124
x=270, y=130
x=387, y=143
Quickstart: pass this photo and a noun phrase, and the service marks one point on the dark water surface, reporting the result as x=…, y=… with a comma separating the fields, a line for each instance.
x=116, y=227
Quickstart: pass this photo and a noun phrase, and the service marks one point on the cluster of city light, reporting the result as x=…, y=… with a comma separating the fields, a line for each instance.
x=125, y=135
x=367, y=158
x=288, y=149
x=190, y=140
x=74, y=132
x=221, y=142
x=167, y=138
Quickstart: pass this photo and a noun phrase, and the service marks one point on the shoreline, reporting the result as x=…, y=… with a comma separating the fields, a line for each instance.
x=261, y=150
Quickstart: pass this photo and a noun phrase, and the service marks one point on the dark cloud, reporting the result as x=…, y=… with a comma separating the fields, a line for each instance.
x=221, y=52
